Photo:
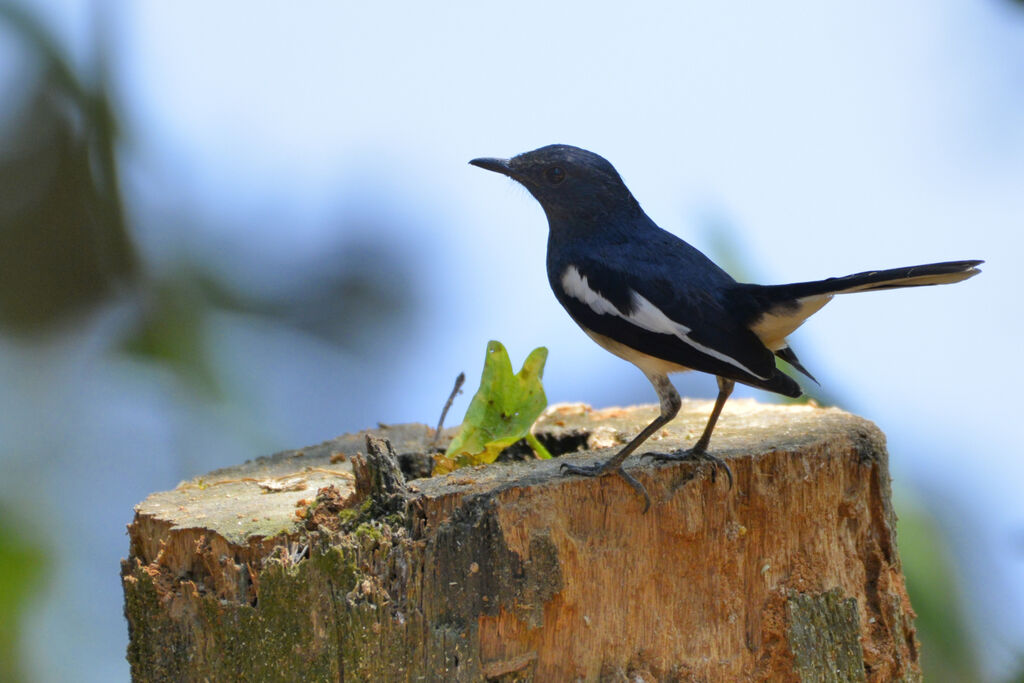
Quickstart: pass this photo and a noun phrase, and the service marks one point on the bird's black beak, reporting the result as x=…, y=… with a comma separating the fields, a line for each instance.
x=501, y=166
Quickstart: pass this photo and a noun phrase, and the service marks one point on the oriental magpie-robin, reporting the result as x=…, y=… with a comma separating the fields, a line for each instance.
x=650, y=298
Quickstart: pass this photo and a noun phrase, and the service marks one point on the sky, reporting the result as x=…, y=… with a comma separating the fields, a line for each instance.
x=822, y=139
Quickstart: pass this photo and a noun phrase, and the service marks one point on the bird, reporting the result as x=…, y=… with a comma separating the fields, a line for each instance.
x=650, y=298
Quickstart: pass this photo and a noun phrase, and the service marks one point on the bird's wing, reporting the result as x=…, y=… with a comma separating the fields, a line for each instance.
x=674, y=319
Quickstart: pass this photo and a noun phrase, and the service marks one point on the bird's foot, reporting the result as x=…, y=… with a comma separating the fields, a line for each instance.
x=605, y=469
x=695, y=456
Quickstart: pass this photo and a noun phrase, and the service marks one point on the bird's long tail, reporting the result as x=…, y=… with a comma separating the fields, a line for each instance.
x=910, y=276
x=774, y=311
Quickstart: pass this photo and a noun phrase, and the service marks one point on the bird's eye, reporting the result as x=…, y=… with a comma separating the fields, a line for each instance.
x=554, y=174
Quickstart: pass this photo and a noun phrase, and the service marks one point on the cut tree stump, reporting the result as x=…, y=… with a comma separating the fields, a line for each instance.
x=279, y=569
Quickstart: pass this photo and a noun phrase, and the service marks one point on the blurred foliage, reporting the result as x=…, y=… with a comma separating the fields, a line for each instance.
x=501, y=412
x=946, y=651
x=67, y=248
x=22, y=571
x=345, y=298
x=340, y=295
x=64, y=244
x=172, y=330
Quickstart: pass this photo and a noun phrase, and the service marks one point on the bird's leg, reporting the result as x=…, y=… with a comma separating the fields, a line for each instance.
x=700, y=449
x=670, y=404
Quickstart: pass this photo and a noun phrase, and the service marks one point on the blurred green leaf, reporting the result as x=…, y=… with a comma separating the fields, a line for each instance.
x=22, y=570
x=501, y=412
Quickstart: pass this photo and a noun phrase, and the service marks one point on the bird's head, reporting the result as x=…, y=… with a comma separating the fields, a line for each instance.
x=567, y=181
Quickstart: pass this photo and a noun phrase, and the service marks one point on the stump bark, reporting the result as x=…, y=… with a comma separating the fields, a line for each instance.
x=279, y=569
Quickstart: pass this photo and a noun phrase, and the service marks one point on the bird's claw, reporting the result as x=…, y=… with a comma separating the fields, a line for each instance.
x=582, y=470
x=696, y=457
x=601, y=470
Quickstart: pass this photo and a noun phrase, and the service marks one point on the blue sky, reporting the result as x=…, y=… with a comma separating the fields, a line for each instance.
x=831, y=139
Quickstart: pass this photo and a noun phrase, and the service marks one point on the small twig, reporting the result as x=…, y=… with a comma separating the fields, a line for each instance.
x=456, y=390
x=336, y=473
x=260, y=480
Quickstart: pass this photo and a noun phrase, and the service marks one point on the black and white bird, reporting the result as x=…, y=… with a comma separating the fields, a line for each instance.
x=650, y=298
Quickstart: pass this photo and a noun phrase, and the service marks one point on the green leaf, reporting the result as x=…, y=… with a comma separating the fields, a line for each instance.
x=501, y=413
x=23, y=571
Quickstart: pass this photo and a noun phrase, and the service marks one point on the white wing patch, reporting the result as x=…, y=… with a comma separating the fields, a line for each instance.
x=575, y=285
x=644, y=315
x=651, y=318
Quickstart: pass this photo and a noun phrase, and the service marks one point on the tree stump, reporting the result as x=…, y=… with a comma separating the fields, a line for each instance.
x=284, y=569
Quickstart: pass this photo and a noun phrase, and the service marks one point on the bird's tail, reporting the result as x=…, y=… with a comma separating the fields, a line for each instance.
x=910, y=276
x=774, y=311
